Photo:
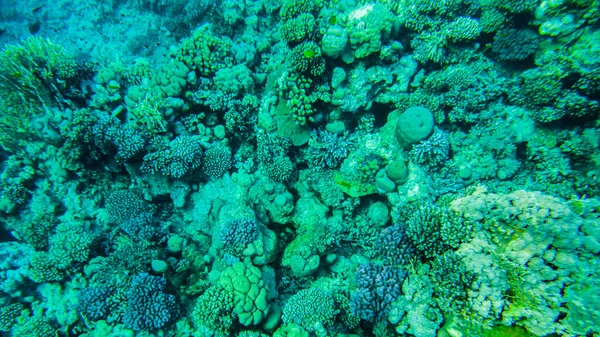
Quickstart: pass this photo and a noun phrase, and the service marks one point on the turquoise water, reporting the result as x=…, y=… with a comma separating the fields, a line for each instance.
x=299, y=168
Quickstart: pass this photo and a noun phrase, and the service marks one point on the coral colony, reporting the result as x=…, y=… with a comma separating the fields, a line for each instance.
x=324, y=168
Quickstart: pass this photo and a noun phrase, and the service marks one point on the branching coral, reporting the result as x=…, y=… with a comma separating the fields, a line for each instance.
x=34, y=76
x=378, y=287
x=149, y=307
x=327, y=149
x=310, y=308
x=176, y=158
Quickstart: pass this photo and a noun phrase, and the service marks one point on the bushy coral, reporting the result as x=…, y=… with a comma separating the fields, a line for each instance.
x=539, y=87
x=462, y=29
x=204, y=52
x=311, y=308
x=291, y=8
x=576, y=105
x=512, y=44
x=70, y=245
x=239, y=118
x=426, y=225
x=394, y=246
x=177, y=158
x=214, y=310
x=491, y=19
x=34, y=326
x=94, y=302
x=307, y=58
x=112, y=138
x=42, y=269
x=272, y=154
x=13, y=193
x=377, y=287
x=129, y=258
x=433, y=151
x=327, y=149
x=217, y=160
x=123, y=205
x=237, y=234
x=457, y=88
x=14, y=181
x=8, y=315
x=429, y=46
x=149, y=307
x=298, y=29
x=144, y=227
x=280, y=169
x=451, y=281
x=516, y=6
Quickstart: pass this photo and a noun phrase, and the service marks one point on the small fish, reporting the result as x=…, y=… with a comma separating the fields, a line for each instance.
x=343, y=184
x=35, y=27
x=37, y=9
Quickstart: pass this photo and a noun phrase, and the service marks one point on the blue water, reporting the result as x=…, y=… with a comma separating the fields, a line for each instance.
x=299, y=168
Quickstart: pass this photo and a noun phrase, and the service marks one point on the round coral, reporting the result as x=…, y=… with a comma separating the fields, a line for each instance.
x=249, y=292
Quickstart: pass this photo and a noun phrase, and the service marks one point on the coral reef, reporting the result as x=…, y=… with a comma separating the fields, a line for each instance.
x=311, y=168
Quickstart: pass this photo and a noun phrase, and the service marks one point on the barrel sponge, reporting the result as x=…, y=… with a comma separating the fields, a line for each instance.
x=414, y=125
x=249, y=292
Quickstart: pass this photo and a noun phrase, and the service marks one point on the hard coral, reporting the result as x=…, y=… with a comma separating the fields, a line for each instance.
x=249, y=292
x=378, y=287
x=310, y=308
x=177, y=158
x=149, y=307
x=237, y=234
x=217, y=161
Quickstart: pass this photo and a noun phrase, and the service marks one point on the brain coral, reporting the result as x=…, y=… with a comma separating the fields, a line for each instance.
x=414, y=125
x=249, y=292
